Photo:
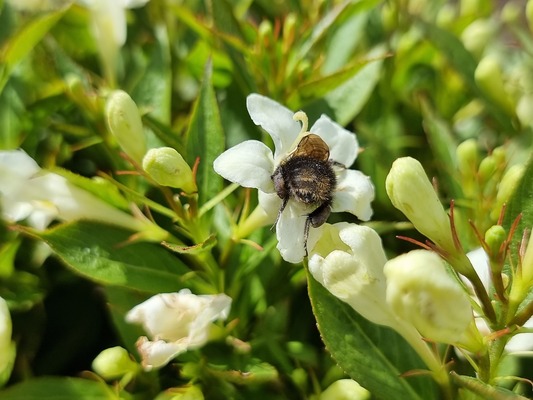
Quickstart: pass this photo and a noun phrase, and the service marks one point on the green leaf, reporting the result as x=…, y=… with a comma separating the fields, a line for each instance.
x=102, y=253
x=205, y=139
x=194, y=249
x=23, y=42
x=346, y=100
x=58, y=389
x=487, y=392
x=374, y=356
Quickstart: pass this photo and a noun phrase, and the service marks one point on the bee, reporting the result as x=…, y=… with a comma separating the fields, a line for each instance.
x=307, y=176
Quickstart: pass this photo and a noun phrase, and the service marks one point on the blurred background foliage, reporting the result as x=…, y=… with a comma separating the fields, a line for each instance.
x=410, y=77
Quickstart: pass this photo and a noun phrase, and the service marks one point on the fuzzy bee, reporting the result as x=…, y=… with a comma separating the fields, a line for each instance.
x=307, y=176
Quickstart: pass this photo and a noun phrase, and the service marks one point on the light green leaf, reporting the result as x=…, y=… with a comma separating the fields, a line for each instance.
x=373, y=355
x=23, y=42
x=194, y=249
x=101, y=253
x=486, y=392
x=205, y=139
x=59, y=389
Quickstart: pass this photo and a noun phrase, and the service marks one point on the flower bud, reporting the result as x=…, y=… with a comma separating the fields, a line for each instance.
x=507, y=187
x=124, y=122
x=114, y=363
x=523, y=109
x=476, y=35
x=411, y=192
x=467, y=157
x=345, y=389
x=494, y=237
x=487, y=168
x=188, y=392
x=489, y=78
x=7, y=347
x=168, y=168
x=421, y=292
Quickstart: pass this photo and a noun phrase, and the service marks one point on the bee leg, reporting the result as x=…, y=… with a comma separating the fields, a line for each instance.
x=306, y=233
x=283, y=205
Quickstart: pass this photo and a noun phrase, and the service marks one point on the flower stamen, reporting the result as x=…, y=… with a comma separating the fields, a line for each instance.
x=301, y=117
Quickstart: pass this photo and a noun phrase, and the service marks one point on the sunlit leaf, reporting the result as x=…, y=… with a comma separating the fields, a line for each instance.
x=102, y=253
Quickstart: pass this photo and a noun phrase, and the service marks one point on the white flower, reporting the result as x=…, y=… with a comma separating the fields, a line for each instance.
x=251, y=164
x=37, y=196
x=348, y=260
x=108, y=25
x=518, y=343
x=421, y=292
x=175, y=323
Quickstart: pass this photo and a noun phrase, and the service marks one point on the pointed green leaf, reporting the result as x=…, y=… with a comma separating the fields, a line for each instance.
x=194, y=249
x=205, y=139
x=373, y=355
x=58, y=389
x=102, y=253
x=23, y=42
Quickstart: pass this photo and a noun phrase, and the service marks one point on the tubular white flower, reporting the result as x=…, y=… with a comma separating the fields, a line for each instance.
x=251, y=164
x=348, y=260
x=421, y=292
x=175, y=323
x=37, y=196
x=108, y=24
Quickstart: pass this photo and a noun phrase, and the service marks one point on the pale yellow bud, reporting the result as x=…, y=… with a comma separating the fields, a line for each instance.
x=168, y=168
x=124, y=122
x=114, y=363
x=507, y=187
x=345, y=389
x=411, y=192
x=476, y=35
x=421, y=292
x=489, y=78
x=7, y=347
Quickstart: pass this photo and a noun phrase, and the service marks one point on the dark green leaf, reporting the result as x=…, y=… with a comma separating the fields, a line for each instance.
x=373, y=355
x=205, y=139
x=59, y=389
x=194, y=249
x=101, y=253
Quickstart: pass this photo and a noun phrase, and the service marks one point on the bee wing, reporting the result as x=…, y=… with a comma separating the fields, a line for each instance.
x=312, y=146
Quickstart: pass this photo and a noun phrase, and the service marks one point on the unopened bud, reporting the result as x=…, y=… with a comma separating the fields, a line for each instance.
x=345, y=389
x=494, y=237
x=476, y=35
x=487, y=168
x=507, y=187
x=467, y=157
x=489, y=78
x=529, y=14
x=411, y=192
x=188, y=392
x=168, y=168
x=124, y=122
x=114, y=363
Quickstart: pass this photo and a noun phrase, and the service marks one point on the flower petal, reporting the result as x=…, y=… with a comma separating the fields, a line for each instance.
x=290, y=233
x=343, y=146
x=250, y=164
x=158, y=353
x=354, y=194
x=270, y=202
x=276, y=120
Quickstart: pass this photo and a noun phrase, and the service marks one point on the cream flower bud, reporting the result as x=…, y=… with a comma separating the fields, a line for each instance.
x=7, y=347
x=421, y=292
x=489, y=78
x=345, y=389
x=168, y=168
x=476, y=35
x=411, y=192
x=507, y=187
x=124, y=122
x=114, y=363
x=175, y=323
